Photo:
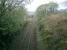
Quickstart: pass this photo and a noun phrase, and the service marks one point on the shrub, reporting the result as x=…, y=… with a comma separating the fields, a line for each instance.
x=55, y=28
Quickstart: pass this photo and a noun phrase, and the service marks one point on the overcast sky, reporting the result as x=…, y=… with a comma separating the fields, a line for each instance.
x=35, y=3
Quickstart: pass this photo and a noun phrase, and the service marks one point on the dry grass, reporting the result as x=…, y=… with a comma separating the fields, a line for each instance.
x=56, y=22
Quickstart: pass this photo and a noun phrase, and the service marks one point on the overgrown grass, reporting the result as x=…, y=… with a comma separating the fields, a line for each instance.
x=53, y=32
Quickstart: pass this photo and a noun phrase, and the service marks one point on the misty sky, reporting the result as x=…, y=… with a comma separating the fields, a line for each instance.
x=35, y=3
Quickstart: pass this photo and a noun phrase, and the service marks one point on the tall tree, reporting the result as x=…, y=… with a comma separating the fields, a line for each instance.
x=47, y=9
x=52, y=6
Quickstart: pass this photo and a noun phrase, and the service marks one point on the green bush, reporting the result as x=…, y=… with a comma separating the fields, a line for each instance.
x=55, y=36
x=10, y=25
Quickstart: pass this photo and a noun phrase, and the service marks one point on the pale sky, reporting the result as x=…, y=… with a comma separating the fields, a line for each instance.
x=35, y=3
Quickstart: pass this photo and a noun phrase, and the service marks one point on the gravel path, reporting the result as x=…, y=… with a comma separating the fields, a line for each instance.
x=28, y=41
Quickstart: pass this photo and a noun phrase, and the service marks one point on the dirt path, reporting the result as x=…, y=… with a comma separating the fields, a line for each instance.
x=28, y=40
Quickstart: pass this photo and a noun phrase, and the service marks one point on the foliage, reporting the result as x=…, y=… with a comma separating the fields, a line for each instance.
x=11, y=21
x=47, y=9
x=52, y=7
x=54, y=36
x=51, y=28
